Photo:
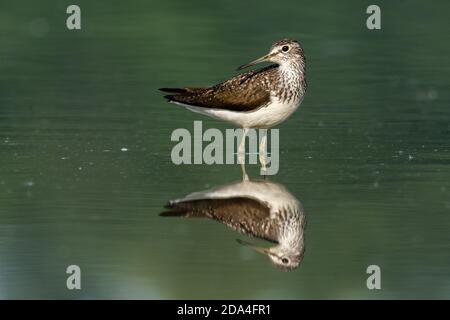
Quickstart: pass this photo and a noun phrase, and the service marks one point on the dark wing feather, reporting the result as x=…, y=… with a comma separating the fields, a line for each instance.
x=183, y=90
x=245, y=92
x=244, y=215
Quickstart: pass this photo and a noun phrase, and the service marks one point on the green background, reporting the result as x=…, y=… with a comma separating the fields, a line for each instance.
x=367, y=153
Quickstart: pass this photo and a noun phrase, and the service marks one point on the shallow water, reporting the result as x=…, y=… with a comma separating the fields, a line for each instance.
x=85, y=164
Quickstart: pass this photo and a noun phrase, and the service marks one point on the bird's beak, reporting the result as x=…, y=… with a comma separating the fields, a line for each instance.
x=262, y=250
x=259, y=60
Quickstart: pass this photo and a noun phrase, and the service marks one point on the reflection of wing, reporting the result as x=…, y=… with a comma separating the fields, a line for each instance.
x=245, y=215
x=245, y=92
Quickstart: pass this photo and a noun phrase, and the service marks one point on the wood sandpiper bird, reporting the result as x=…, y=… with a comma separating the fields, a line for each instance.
x=260, y=209
x=256, y=99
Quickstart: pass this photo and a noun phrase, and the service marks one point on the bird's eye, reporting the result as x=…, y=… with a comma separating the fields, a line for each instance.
x=285, y=49
x=285, y=260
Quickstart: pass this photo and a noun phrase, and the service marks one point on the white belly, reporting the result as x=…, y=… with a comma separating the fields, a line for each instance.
x=265, y=117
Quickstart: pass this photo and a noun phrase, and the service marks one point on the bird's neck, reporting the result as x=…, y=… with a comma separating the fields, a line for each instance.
x=292, y=77
x=293, y=241
x=292, y=233
x=292, y=69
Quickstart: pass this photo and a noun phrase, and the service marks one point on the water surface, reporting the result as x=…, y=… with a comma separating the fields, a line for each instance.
x=85, y=147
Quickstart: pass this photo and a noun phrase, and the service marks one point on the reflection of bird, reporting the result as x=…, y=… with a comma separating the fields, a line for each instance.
x=256, y=208
x=255, y=99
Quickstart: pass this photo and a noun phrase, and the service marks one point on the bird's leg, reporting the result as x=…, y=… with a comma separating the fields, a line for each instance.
x=241, y=155
x=262, y=152
x=244, y=174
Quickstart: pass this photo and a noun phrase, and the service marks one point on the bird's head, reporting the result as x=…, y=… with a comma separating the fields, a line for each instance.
x=282, y=52
x=283, y=257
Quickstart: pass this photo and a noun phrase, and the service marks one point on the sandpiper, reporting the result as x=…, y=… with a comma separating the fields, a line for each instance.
x=260, y=209
x=256, y=99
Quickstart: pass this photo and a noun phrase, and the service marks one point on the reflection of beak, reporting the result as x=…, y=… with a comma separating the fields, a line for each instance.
x=262, y=59
x=262, y=250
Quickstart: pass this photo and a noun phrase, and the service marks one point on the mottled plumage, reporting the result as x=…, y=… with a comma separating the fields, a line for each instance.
x=260, y=209
x=236, y=94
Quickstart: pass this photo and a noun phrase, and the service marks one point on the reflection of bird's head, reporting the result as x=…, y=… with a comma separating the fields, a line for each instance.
x=285, y=258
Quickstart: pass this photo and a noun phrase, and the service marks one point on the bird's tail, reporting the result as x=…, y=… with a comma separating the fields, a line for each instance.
x=183, y=95
x=182, y=91
x=174, y=90
x=180, y=94
x=180, y=209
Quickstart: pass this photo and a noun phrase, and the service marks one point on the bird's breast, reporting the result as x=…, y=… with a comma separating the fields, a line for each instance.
x=279, y=109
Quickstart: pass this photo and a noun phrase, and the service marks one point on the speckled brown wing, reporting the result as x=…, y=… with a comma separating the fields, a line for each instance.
x=245, y=92
x=244, y=215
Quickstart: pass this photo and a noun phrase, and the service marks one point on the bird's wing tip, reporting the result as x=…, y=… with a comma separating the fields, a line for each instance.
x=166, y=89
x=174, y=90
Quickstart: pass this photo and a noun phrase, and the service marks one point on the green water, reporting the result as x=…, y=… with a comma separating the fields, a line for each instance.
x=85, y=146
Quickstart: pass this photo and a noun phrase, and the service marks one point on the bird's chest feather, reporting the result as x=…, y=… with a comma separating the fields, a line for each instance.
x=278, y=110
x=284, y=99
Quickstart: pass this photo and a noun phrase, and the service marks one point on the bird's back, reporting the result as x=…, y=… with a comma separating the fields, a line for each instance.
x=245, y=215
x=244, y=92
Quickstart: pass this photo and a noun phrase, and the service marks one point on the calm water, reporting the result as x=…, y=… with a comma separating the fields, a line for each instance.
x=85, y=148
